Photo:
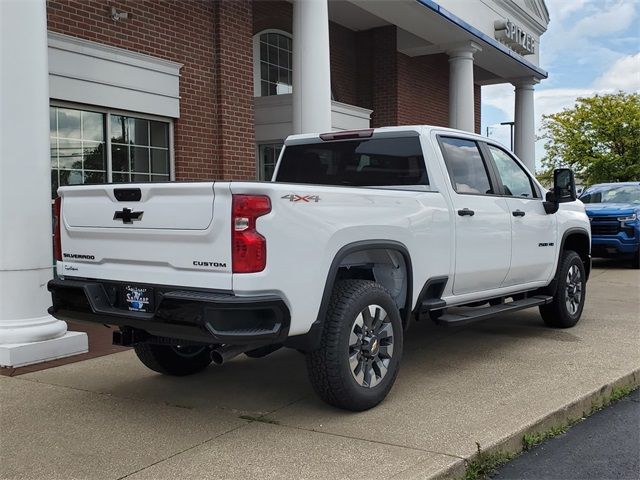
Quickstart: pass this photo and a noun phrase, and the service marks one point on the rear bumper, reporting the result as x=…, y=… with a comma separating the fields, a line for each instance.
x=195, y=315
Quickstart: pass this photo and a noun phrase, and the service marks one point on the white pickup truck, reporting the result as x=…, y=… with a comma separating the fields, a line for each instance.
x=358, y=233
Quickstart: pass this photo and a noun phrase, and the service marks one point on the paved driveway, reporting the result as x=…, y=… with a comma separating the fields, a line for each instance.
x=109, y=417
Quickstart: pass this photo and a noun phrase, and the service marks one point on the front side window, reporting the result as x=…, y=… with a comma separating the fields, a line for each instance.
x=273, y=75
x=101, y=147
x=465, y=165
x=370, y=162
x=514, y=179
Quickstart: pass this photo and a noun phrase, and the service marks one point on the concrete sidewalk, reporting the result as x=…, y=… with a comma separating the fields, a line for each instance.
x=489, y=383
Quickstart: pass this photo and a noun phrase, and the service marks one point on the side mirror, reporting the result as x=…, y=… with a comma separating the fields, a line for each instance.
x=564, y=185
x=564, y=190
x=550, y=204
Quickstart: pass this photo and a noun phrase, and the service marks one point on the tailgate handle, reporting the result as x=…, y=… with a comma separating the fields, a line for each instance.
x=127, y=194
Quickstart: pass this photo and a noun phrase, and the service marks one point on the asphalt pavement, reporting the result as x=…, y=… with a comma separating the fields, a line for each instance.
x=604, y=446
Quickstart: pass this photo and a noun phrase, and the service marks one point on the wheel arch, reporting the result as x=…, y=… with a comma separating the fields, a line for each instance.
x=577, y=239
x=350, y=262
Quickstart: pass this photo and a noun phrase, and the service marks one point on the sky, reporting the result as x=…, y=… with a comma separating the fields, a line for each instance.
x=591, y=46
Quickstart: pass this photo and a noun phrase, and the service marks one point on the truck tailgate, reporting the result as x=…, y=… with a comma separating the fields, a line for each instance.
x=169, y=233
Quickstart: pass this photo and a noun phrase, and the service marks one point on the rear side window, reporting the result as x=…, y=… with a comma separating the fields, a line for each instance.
x=371, y=162
x=466, y=167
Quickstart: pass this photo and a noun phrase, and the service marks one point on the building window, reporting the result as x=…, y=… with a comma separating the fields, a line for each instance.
x=268, y=154
x=102, y=146
x=272, y=52
x=78, y=153
x=139, y=150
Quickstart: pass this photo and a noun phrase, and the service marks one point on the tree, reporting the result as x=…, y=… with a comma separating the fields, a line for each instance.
x=599, y=138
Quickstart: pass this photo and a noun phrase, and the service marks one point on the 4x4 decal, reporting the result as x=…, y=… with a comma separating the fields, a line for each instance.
x=301, y=198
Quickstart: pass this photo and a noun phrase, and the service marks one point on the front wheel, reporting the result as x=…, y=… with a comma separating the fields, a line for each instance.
x=635, y=261
x=175, y=360
x=566, y=308
x=359, y=357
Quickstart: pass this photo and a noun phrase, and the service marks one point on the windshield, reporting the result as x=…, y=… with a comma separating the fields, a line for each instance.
x=612, y=194
x=369, y=162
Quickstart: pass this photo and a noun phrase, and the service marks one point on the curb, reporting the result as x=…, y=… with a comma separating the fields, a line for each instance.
x=572, y=412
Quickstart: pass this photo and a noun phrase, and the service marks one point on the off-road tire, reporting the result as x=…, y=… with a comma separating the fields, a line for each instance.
x=558, y=314
x=329, y=367
x=168, y=360
x=635, y=260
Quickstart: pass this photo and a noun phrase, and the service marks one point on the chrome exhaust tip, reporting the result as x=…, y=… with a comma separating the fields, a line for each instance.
x=223, y=354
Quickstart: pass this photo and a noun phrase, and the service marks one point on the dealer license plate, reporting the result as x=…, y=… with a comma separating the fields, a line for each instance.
x=138, y=299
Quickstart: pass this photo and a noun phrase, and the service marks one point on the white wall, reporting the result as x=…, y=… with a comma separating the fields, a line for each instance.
x=485, y=12
x=274, y=117
x=87, y=72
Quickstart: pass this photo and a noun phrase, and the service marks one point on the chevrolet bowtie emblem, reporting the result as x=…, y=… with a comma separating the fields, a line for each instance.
x=127, y=216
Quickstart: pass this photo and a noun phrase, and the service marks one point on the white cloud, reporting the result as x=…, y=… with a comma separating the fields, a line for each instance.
x=610, y=19
x=500, y=97
x=563, y=8
x=578, y=28
x=624, y=75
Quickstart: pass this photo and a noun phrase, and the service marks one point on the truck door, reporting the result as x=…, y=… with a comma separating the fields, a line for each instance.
x=534, y=233
x=482, y=219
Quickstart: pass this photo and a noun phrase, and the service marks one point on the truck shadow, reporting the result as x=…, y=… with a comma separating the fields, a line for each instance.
x=259, y=386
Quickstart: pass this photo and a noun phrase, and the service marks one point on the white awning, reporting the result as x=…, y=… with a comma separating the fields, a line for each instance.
x=87, y=72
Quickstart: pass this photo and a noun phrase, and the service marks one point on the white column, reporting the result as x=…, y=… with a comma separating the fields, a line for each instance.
x=27, y=333
x=524, y=126
x=461, y=98
x=311, y=70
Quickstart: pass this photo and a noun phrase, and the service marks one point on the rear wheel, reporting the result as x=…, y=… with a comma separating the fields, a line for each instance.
x=175, y=360
x=566, y=308
x=359, y=357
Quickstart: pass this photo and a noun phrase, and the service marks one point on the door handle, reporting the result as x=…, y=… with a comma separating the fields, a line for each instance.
x=465, y=212
x=518, y=213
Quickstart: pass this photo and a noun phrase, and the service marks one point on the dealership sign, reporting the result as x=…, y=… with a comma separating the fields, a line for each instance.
x=515, y=37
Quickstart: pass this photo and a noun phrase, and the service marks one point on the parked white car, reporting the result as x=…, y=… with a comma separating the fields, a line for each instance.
x=358, y=233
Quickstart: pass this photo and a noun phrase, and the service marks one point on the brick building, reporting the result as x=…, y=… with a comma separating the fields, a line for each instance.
x=218, y=76
x=161, y=90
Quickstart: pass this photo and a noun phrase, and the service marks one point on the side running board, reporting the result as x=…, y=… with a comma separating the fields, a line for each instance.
x=476, y=314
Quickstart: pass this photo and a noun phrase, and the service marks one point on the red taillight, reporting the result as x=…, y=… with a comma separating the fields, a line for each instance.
x=249, y=248
x=57, y=244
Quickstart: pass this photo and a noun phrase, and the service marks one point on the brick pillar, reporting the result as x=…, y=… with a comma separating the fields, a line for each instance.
x=234, y=89
x=364, y=70
x=384, y=94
